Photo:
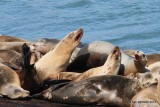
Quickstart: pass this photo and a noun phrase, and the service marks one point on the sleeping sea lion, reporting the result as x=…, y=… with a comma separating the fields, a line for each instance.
x=101, y=90
x=11, y=56
x=56, y=61
x=4, y=38
x=111, y=66
x=10, y=83
x=16, y=46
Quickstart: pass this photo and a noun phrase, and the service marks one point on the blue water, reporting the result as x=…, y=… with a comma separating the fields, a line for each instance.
x=130, y=24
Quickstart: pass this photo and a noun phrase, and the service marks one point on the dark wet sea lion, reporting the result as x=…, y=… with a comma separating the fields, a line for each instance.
x=110, y=67
x=101, y=90
x=57, y=60
x=10, y=83
x=149, y=97
x=4, y=38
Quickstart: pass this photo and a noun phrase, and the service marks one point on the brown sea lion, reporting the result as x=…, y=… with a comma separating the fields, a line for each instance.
x=44, y=45
x=57, y=60
x=94, y=55
x=110, y=67
x=101, y=90
x=136, y=64
x=154, y=67
x=149, y=97
x=10, y=83
x=11, y=56
x=4, y=38
x=152, y=58
x=16, y=46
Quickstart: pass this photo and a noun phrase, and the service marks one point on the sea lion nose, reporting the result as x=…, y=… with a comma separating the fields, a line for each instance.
x=80, y=30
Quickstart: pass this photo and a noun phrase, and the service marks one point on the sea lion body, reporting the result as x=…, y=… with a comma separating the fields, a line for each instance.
x=11, y=56
x=44, y=45
x=101, y=90
x=16, y=46
x=10, y=83
x=4, y=38
x=152, y=58
x=111, y=66
x=56, y=61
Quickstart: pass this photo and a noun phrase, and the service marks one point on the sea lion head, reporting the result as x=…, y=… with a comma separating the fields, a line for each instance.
x=72, y=40
x=114, y=60
x=115, y=56
x=140, y=59
x=17, y=92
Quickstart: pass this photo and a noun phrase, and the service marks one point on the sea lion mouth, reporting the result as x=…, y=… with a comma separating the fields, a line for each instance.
x=79, y=34
x=137, y=58
x=116, y=52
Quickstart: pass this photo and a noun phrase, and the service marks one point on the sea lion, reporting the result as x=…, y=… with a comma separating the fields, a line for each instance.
x=152, y=58
x=111, y=66
x=57, y=60
x=4, y=38
x=11, y=56
x=94, y=55
x=149, y=97
x=101, y=90
x=44, y=45
x=10, y=83
x=154, y=67
x=16, y=46
x=29, y=78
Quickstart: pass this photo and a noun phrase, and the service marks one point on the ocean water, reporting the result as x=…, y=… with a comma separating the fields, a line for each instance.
x=130, y=24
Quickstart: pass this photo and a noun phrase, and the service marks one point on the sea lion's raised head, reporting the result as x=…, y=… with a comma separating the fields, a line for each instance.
x=141, y=58
x=114, y=60
x=72, y=40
